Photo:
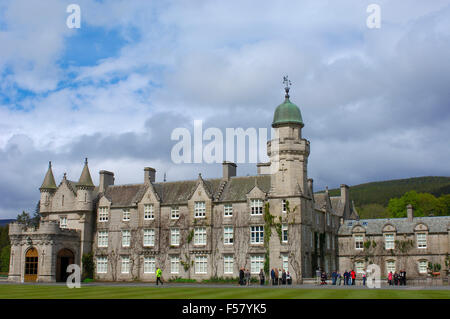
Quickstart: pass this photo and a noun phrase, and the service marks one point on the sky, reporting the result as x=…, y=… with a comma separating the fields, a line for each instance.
x=375, y=101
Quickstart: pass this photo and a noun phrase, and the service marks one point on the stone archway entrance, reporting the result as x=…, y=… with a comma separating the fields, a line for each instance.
x=31, y=265
x=65, y=258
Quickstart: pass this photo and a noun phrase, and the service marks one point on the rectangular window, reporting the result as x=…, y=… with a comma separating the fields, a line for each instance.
x=228, y=210
x=200, y=209
x=390, y=266
x=285, y=260
x=257, y=234
x=332, y=242
x=317, y=218
x=102, y=265
x=328, y=239
x=283, y=206
x=421, y=240
x=175, y=237
x=228, y=264
x=284, y=233
x=201, y=265
x=256, y=264
x=126, y=215
x=200, y=236
x=63, y=221
x=125, y=265
x=328, y=219
x=149, y=237
x=102, y=238
x=175, y=212
x=256, y=206
x=126, y=238
x=149, y=212
x=389, y=241
x=311, y=238
x=174, y=265
x=359, y=266
x=103, y=214
x=149, y=265
x=228, y=235
x=423, y=266
x=359, y=242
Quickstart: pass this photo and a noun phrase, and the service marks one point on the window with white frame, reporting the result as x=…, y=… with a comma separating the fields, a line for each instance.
x=103, y=214
x=359, y=266
x=389, y=242
x=149, y=237
x=421, y=240
x=423, y=266
x=149, y=265
x=201, y=265
x=228, y=210
x=126, y=215
x=257, y=234
x=228, y=235
x=63, y=221
x=174, y=265
x=284, y=233
x=285, y=261
x=228, y=263
x=256, y=206
x=256, y=264
x=126, y=238
x=102, y=238
x=200, y=236
x=125, y=269
x=102, y=265
x=149, y=212
x=283, y=206
x=359, y=242
x=175, y=236
x=200, y=209
x=390, y=266
x=174, y=212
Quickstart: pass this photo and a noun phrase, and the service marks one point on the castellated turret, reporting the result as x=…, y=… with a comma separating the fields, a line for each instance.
x=85, y=188
x=47, y=190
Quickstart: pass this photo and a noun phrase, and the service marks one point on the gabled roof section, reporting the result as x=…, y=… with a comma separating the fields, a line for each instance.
x=238, y=187
x=49, y=179
x=85, y=178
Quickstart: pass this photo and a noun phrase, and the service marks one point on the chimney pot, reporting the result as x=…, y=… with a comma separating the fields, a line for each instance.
x=410, y=212
x=106, y=179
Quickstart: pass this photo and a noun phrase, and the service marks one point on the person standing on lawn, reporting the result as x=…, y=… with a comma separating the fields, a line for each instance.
x=272, y=276
x=353, y=274
x=241, y=276
x=158, y=276
x=262, y=279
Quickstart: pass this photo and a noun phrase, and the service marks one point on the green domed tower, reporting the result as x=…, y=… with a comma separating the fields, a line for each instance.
x=288, y=151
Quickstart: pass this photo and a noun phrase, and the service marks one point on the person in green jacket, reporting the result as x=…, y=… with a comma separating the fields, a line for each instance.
x=158, y=276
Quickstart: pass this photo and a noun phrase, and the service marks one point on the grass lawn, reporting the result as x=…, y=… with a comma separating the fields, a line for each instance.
x=121, y=292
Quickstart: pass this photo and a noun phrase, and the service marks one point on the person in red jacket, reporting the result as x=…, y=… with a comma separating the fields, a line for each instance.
x=353, y=277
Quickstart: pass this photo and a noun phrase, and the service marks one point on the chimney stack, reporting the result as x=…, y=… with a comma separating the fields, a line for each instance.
x=149, y=175
x=409, y=212
x=263, y=168
x=228, y=169
x=106, y=179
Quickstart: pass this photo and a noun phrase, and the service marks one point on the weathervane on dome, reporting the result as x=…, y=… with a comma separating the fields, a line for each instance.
x=288, y=83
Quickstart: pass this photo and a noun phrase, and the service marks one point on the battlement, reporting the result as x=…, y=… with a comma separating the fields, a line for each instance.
x=45, y=227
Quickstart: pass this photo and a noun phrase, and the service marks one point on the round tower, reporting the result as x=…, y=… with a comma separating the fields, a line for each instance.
x=85, y=188
x=47, y=190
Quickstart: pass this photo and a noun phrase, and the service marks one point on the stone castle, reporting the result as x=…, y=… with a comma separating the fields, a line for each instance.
x=207, y=228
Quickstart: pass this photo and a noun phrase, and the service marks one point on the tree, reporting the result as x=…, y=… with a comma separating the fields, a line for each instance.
x=424, y=204
x=4, y=258
x=373, y=211
x=24, y=218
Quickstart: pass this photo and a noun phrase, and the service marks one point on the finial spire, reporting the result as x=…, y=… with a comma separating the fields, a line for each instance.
x=50, y=164
x=85, y=161
x=287, y=84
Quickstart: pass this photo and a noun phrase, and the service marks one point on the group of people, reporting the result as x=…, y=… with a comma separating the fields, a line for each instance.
x=348, y=278
x=397, y=279
x=278, y=277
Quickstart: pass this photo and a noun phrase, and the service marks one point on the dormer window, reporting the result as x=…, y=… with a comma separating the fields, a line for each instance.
x=256, y=206
x=200, y=209
x=103, y=214
x=126, y=215
x=149, y=212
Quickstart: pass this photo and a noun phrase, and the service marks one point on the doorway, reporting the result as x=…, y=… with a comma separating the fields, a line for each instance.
x=31, y=265
x=64, y=259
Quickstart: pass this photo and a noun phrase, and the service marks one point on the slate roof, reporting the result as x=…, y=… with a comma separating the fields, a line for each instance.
x=436, y=224
x=320, y=201
x=85, y=178
x=179, y=192
x=49, y=179
x=337, y=205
